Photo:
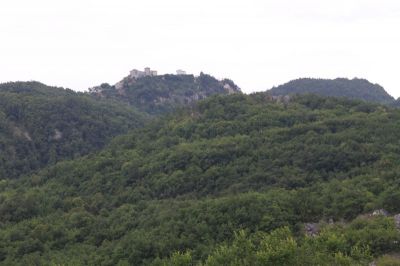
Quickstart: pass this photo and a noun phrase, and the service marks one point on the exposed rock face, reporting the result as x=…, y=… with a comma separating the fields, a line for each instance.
x=397, y=220
x=285, y=99
x=57, y=134
x=229, y=89
x=160, y=94
x=380, y=212
x=311, y=229
x=18, y=132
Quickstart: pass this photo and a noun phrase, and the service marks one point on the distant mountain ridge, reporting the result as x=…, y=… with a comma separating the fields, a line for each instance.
x=163, y=93
x=358, y=89
x=40, y=125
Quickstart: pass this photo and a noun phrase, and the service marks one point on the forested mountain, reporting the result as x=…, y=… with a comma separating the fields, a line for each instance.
x=40, y=125
x=230, y=181
x=160, y=94
x=359, y=89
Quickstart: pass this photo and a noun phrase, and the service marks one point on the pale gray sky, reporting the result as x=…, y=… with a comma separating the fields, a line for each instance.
x=256, y=43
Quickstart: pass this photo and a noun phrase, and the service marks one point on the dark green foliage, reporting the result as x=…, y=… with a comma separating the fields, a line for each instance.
x=359, y=89
x=40, y=125
x=161, y=94
x=177, y=190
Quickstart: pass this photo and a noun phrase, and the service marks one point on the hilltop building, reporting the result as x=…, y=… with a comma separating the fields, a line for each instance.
x=146, y=73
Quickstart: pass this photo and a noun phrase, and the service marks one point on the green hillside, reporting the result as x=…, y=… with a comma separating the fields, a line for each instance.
x=230, y=181
x=160, y=94
x=40, y=125
x=359, y=89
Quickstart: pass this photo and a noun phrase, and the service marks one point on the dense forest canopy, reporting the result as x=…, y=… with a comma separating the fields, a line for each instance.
x=40, y=125
x=359, y=89
x=230, y=181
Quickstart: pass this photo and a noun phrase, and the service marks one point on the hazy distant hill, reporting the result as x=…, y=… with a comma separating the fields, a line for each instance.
x=360, y=89
x=41, y=125
x=160, y=94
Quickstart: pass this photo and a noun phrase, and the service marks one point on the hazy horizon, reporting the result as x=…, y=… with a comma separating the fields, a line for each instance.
x=258, y=44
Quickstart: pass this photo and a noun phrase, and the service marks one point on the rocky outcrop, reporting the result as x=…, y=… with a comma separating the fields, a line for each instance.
x=163, y=93
x=57, y=134
x=21, y=133
x=311, y=229
x=397, y=220
x=380, y=212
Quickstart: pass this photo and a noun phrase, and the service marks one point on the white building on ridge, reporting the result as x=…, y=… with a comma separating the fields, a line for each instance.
x=146, y=73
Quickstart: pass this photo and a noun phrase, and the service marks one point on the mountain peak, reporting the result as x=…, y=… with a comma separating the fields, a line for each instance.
x=360, y=89
x=155, y=94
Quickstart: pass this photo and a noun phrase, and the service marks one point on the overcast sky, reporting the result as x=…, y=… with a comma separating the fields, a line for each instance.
x=257, y=43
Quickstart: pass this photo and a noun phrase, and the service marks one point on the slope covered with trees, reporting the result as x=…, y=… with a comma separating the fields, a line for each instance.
x=231, y=180
x=160, y=94
x=40, y=125
x=359, y=89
